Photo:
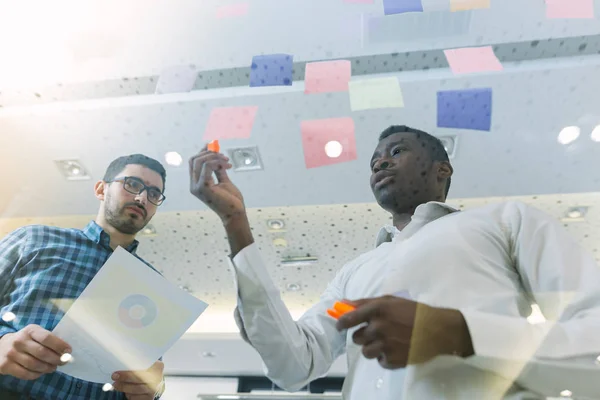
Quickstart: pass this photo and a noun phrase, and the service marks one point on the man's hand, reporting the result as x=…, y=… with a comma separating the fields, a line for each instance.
x=400, y=332
x=223, y=197
x=31, y=352
x=140, y=385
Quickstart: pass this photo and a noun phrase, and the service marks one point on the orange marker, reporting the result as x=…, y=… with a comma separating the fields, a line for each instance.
x=340, y=309
x=214, y=146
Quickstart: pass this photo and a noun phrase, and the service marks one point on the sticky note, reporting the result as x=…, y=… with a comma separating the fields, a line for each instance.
x=401, y=6
x=464, y=5
x=473, y=59
x=176, y=79
x=324, y=135
x=465, y=109
x=213, y=146
x=271, y=70
x=556, y=9
x=232, y=10
x=328, y=76
x=375, y=93
x=230, y=123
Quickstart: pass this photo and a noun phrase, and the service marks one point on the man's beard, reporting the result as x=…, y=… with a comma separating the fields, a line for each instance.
x=118, y=220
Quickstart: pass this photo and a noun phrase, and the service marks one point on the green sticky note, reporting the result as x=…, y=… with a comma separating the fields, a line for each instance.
x=375, y=93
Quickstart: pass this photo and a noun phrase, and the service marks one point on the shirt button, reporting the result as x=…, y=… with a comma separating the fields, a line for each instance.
x=379, y=383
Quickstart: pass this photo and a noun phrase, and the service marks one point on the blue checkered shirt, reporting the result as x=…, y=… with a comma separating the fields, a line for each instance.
x=39, y=263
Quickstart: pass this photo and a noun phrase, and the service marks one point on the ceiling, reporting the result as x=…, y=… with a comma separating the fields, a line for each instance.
x=77, y=81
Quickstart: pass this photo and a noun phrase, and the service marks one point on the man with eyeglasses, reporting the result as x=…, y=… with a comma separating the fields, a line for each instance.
x=42, y=263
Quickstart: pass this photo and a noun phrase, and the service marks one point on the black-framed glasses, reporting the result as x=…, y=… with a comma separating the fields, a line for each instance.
x=135, y=186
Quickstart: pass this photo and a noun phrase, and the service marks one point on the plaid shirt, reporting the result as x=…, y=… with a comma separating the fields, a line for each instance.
x=40, y=263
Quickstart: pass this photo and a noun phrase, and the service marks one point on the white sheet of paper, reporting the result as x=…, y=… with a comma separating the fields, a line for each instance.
x=125, y=319
x=177, y=79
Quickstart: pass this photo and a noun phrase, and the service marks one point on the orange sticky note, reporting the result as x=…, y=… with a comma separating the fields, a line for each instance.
x=214, y=146
x=464, y=5
x=327, y=76
x=473, y=59
x=557, y=9
x=334, y=314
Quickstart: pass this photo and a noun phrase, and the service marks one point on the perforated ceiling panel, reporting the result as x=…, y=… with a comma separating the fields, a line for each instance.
x=191, y=250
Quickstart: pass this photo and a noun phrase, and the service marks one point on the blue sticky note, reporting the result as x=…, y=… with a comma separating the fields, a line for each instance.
x=271, y=70
x=465, y=109
x=401, y=6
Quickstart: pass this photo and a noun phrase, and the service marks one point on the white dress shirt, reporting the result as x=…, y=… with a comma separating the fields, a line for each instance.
x=490, y=263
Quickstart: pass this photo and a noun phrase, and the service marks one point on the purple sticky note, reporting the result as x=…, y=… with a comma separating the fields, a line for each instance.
x=271, y=70
x=401, y=6
x=465, y=109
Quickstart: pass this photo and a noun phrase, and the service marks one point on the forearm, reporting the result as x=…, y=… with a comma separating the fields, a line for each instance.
x=238, y=232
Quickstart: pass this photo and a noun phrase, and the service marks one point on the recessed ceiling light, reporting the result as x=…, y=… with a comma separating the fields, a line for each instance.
x=173, y=158
x=73, y=170
x=293, y=287
x=596, y=134
x=275, y=224
x=450, y=144
x=566, y=393
x=575, y=213
x=107, y=387
x=569, y=135
x=333, y=149
x=245, y=159
x=149, y=230
x=208, y=354
x=279, y=242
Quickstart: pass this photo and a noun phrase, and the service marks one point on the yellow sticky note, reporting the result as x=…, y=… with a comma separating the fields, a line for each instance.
x=375, y=93
x=463, y=5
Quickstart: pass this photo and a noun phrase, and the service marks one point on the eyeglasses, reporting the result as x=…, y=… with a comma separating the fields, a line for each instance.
x=135, y=186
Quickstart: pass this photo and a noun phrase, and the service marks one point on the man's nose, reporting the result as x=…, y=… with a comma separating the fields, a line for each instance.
x=382, y=164
x=142, y=198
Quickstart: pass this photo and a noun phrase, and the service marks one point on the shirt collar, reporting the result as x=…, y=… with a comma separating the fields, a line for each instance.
x=424, y=214
x=97, y=235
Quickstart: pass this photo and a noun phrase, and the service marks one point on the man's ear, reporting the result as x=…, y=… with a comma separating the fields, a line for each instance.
x=100, y=189
x=445, y=170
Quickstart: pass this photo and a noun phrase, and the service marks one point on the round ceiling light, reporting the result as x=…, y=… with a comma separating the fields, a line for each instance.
x=244, y=158
x=333, y=149
x=275, y=224
x=173, y=158
x=293, y=287
x=569, y=135
x=596, y=134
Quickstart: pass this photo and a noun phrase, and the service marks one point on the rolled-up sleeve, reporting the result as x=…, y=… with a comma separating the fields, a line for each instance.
x=564, y=280
x=12, y=254
x=293, y=352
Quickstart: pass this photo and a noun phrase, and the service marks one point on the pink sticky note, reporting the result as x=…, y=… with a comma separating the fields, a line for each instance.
x=232, y=10
x=230, y=123
x=327, y=76
x=569, y=9
x=473, y=59
x=322, y=136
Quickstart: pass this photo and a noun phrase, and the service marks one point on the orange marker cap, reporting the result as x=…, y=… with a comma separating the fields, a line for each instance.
x=343, y=308
x=214, y=146
x=333, y=313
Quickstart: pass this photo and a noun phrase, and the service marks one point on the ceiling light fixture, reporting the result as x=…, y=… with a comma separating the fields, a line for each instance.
x=245, y=159
x=73, y=170
x=276, y=224
x=333, y=149
x=107, y=387
x=568, y=135
x=173, y=158
x=293, y=287
x=279, y=242
x=596, y=134
x=566, y=393
x=577, y=213
x=450, y=143
x=149, y=230
x=298, y=261
x=208, y=354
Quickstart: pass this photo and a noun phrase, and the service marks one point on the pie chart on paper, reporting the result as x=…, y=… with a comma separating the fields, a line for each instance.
x=137, y=311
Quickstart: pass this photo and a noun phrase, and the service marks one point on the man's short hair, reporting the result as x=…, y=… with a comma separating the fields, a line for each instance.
x=436, y=148
x=118, y=165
